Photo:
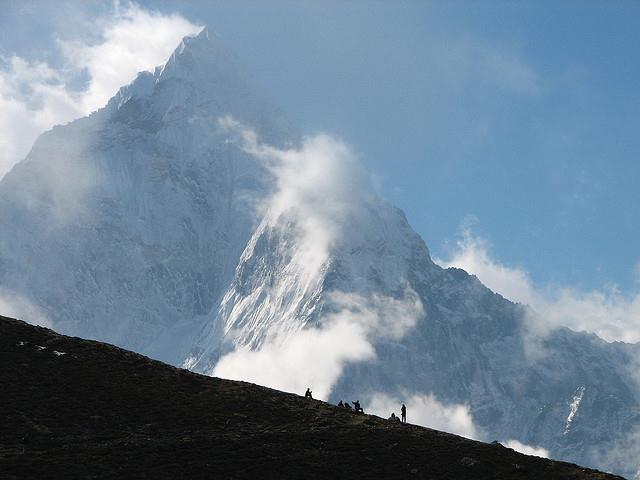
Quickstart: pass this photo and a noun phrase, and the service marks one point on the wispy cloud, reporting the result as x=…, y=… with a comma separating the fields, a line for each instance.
x=427, y=411
x=17, y=306
x=320, y=186
x=472, y=60
x=35, y=96
x=316, y=356
x=608, y=313
x=527, y=449
x=134, y=40
x=621, y=455
x=320, y=196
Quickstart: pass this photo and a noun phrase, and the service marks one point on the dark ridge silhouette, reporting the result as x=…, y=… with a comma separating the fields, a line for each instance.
x=74, y=408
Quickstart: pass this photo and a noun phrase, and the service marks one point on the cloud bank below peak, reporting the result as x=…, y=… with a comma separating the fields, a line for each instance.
x=317, y=356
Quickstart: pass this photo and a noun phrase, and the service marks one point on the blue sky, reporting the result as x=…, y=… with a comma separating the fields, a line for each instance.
x=518, y=120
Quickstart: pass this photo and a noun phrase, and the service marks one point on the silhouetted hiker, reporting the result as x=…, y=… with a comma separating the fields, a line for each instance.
x=403, y=411
x=393, y=417
x=347, y=405
x=357, y=407
x=340, y=404
x=308, y=394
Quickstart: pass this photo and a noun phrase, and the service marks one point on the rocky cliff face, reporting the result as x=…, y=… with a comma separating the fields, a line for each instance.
x=143, y=207
x=147, y=224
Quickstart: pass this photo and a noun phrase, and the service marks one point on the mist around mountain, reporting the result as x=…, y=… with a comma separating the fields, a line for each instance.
x=188, y=221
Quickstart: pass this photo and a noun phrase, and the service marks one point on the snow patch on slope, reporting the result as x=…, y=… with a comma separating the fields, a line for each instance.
x=573, y=407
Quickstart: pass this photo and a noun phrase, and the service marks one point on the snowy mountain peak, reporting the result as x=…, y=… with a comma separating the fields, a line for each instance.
x=203, y=34
x=171, y=254
x=142, y=86
x=198, y=57
x=196, y=53
x=190, y=40
x=200, y=84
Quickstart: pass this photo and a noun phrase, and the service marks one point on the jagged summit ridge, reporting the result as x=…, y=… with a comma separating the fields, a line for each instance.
x=202, y=82
x=198, y=56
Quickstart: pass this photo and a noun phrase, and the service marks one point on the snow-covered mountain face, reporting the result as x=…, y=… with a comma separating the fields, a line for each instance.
x=171, y=222
x=143, y=207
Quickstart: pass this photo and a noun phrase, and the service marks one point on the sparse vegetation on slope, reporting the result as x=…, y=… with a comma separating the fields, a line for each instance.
x=73, y=408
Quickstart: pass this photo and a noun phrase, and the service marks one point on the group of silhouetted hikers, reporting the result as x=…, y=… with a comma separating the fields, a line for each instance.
x=403, y=413
x=358, y=408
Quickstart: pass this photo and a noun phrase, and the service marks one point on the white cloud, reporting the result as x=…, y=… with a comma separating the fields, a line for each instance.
x=315, y=357
x=320, y=186
x=312, y=357
x=34, y=96
x=621, y=455
x=466, y=62
x=510, y=71
x=527, y=449
x=319, y=196
x=472, y=254
x=18, y=306
x=133, y=41
x=607, y=312
x=427, y=411
x=32, y=99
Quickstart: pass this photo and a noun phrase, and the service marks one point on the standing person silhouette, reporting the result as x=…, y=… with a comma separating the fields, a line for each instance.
x=403, y=411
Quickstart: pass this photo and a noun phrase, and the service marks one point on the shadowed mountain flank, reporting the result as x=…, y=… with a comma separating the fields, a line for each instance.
x=74, y=408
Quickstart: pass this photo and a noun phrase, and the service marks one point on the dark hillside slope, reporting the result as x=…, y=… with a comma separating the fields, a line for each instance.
x=73, y=408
